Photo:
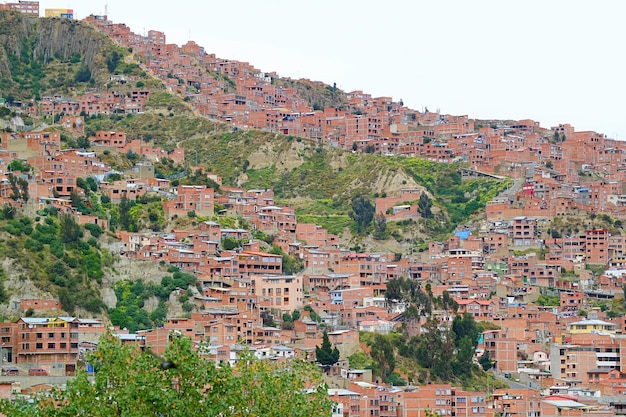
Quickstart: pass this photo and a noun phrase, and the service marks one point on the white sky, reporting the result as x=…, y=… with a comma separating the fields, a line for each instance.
x=554, y=61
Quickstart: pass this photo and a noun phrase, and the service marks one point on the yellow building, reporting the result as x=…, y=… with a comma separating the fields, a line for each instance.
x=68, y=13
x=591, y=327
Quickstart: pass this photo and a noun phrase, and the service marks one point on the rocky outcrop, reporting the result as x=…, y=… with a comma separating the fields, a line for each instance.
x=62, y=38
x=24, y=39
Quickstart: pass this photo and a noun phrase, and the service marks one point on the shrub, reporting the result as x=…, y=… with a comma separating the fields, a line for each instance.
x=94, y=229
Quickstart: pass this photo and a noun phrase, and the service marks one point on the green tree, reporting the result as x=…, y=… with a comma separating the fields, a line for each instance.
x=314, y=316
x=326, y=355
x=230, y=243
x=287, y=322
x=67, y=302
x=83, y=142
x=83, y=74
x=19, y=188
x=485, y=361
x=462, y=363
x=424, y=206
x=295, y=315
x=409, y=291
x=132, y=383
x=380, y=227
x=383, y=355
x=78, y=202
x=362, y=212
x=435, y=349
x=463, y=326
x=291, y=265
x=70, y=230
x=125, y=220
x=112, y=61
x=394, y=290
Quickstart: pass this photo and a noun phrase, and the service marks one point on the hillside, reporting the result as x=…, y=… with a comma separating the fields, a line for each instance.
x=50, y=56
x=44, y=57
x=318, y=180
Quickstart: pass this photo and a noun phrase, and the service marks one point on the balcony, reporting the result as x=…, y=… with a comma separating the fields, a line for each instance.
x=607, y=355
x=607, y=364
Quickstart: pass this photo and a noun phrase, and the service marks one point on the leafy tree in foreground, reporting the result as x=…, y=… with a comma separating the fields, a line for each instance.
x=133, y=384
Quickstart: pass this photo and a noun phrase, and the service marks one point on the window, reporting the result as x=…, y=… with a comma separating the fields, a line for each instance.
x=39, y=346
x=39, y=335
x=51, y=346
x=50, y=335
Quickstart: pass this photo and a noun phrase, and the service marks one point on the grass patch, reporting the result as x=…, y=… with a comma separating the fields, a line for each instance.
x=335, y=224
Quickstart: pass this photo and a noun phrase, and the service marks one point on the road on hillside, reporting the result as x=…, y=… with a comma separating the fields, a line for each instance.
x=513, y=188
x=512, y=384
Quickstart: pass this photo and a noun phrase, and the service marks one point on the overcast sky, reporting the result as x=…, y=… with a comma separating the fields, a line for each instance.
x=556, y=61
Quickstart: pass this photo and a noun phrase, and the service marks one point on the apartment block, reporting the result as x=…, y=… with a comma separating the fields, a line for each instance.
x=53, y=343
x=443, y=399
x=280, y=292
x=259, y=263
x=29, y=8
x=196, y=198
x=597, y=246
x=108, y=138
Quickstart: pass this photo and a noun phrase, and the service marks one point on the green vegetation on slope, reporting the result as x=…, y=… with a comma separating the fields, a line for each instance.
x=439, y=355
x=460, y=198
x=157, y=126
x=318, y=181
x=66, y=260
x=58, y=257
x=131, y=296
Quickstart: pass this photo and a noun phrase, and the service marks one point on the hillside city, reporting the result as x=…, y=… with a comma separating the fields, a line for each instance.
x=549, y=288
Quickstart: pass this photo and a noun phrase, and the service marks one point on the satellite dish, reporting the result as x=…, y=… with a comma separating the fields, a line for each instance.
x=30, y=326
